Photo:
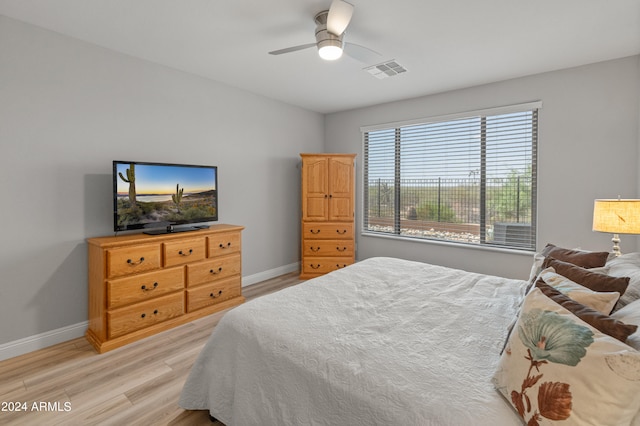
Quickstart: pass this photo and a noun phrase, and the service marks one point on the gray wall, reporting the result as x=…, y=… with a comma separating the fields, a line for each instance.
x=68, y=108
x=588, y=149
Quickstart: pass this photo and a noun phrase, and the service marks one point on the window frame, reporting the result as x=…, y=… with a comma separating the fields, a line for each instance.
x=533, y=107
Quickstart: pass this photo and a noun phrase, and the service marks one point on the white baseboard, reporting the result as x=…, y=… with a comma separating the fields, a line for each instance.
x=70, y=332
x=271, y=273
x=42, y=340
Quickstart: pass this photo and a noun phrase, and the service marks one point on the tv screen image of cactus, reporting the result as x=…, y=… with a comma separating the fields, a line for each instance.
x=148, y=195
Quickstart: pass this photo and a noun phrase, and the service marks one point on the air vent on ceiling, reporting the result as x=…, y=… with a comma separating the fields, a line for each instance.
x=385, y=69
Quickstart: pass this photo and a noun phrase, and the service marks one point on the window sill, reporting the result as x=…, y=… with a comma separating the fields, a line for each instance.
x=485, y=247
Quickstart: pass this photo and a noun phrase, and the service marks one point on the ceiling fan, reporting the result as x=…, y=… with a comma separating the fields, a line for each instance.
x=330, y=27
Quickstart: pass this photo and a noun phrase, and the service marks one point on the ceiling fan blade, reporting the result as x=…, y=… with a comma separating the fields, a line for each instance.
x=339, y=16
x=361, y=53
x=292, y=49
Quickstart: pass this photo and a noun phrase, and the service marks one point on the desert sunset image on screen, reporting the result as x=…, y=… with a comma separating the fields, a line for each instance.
x=157, y=194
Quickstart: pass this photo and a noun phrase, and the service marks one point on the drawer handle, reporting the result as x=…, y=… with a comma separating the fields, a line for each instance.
x=181, y=253
x=145, y=288
x=214, y=295
x=132, y=263
x=214, y=272
x=341, y=249
x=314, y=266
x=315, y=249
x=222, y=246
x=341, y=233
x=155, y=312
x=340, y=266
x=315, y=231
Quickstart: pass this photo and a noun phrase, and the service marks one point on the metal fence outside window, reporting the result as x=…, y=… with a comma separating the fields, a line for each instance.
x=450, y=209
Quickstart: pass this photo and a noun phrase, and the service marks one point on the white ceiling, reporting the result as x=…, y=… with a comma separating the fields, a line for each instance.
x=445, y=44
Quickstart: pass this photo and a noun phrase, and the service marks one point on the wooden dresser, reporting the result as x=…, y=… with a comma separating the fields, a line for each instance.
x=141, y=284
x=328, y=213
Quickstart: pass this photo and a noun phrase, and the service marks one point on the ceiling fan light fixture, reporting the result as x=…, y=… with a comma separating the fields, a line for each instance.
x=330, y=52
x=329, y=45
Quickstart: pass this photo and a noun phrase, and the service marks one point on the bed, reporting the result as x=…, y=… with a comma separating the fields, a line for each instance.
x=383, y=342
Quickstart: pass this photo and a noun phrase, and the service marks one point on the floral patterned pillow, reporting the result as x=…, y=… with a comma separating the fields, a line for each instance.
x=557, y=367
x=600, y=301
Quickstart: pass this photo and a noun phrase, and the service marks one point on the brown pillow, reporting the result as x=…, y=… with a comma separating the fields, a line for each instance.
x=586, y=259
x=592, y=280
x=602, y=322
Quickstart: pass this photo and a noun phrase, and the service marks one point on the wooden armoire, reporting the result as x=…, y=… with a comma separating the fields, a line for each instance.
x=328, y=213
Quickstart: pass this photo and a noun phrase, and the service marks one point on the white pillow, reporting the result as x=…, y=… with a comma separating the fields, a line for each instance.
x=536, y=268
x=630, y=314
x=557, y=367
x=626, y=265
x=602, y=302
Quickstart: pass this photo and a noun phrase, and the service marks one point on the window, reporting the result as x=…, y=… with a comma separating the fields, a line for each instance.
x=468, y=178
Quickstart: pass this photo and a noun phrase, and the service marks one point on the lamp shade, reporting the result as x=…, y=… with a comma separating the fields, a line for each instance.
x=617, y=216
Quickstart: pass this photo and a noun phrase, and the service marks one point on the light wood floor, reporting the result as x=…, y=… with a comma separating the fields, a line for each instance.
x=138, y=384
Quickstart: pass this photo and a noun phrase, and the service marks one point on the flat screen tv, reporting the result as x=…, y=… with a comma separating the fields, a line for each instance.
x=158, y=196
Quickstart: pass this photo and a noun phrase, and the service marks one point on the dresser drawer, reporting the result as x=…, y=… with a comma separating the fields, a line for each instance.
x=213, y=270
x=135, y=317
x=124, y=291
x=210, y=294
x=322, y=265
x=327, y=231
x=184, y=251
x=224, y=243
x=311, y=247
x=132, y=260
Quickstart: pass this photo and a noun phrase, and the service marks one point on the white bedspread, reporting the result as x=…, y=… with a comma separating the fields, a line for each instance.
x=383, y=342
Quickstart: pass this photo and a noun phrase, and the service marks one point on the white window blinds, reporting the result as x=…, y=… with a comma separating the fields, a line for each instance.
x=468, y=178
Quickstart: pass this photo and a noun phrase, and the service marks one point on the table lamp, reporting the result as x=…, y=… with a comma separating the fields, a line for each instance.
x=616, y=217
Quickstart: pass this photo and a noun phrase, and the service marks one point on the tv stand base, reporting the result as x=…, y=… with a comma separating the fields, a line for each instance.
x=171, y=230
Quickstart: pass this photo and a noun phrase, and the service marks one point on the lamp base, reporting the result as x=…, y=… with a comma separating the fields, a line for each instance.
x=616, y=245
